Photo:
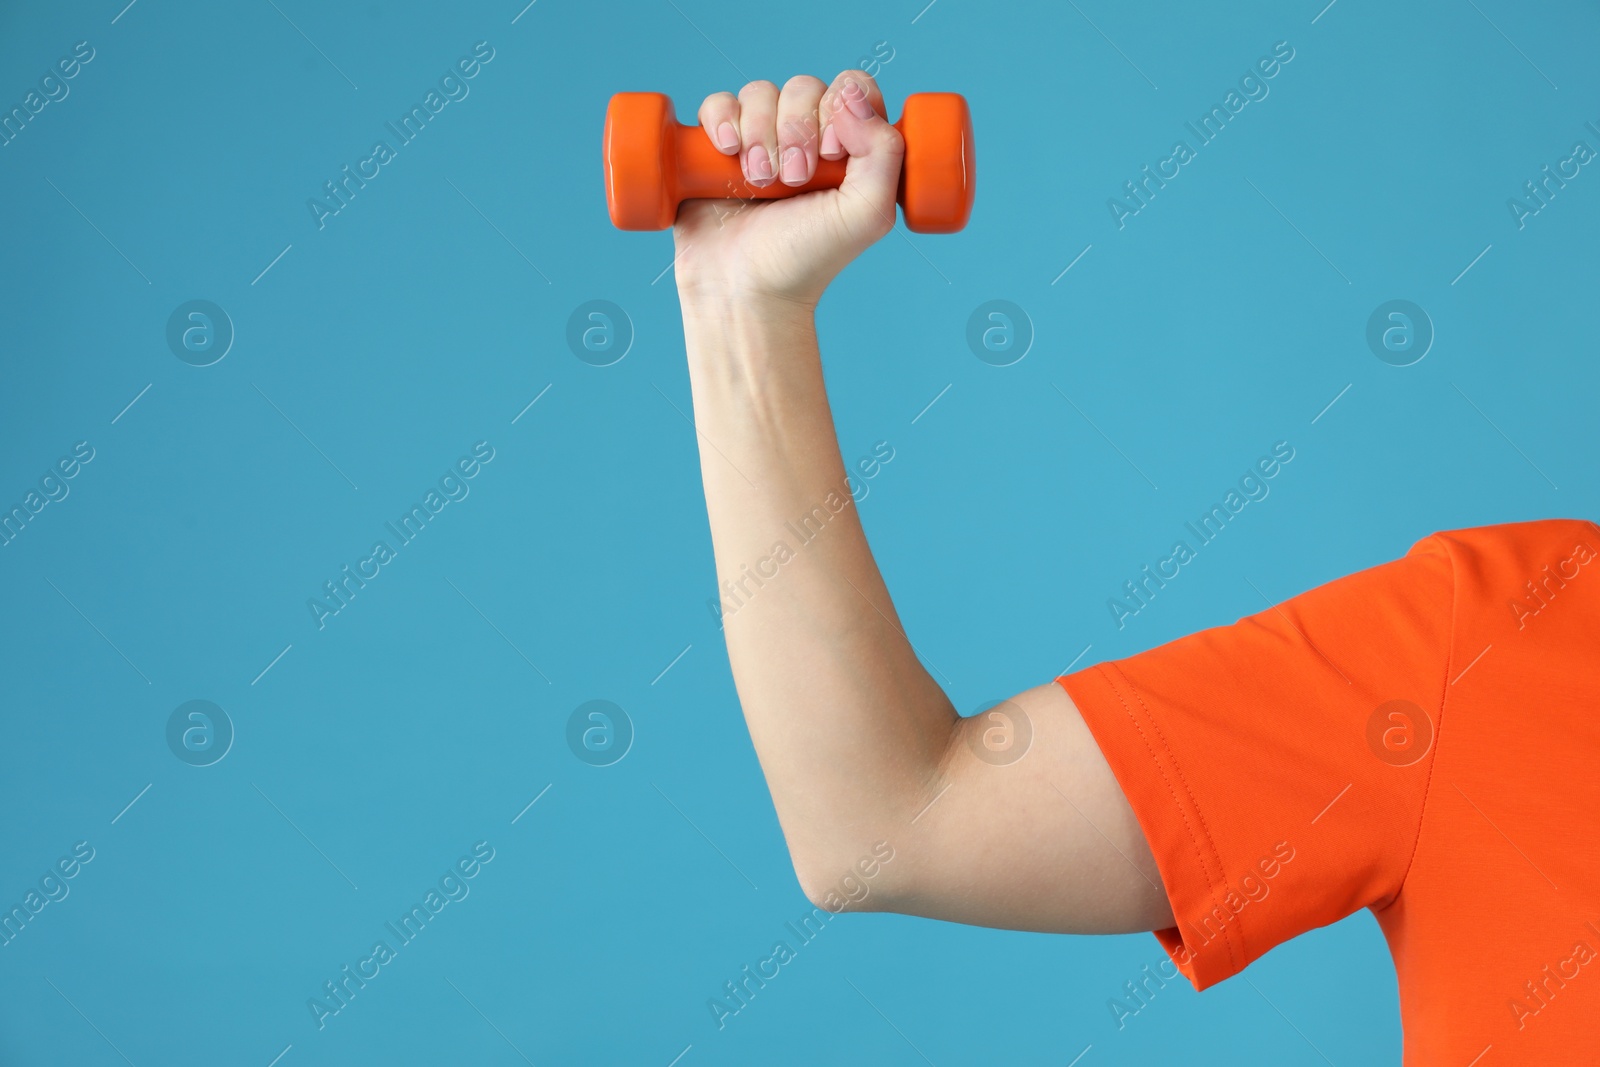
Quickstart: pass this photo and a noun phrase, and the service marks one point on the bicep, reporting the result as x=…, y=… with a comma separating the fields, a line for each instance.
x=1025, y=827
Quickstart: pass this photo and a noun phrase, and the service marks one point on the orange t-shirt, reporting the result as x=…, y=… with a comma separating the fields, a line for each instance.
x=1420, y=738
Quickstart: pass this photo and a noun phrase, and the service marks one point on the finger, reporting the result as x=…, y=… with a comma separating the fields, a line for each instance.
x=829, y=146
x=876, y=150
x=797, y=128
x=719, y=117
x=758, y=119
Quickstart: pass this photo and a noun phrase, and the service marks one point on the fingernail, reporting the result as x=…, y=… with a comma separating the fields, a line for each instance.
x=855, y=98
x=759, y=164
x=830, y=141
x=794, y=165
x=727, y=136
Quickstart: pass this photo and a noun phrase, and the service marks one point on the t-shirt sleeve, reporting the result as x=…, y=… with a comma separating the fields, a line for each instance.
x=1278, y=766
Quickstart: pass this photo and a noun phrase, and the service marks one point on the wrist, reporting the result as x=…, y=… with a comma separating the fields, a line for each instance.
x=723, y=303
x=732, y=328
x=743, y=344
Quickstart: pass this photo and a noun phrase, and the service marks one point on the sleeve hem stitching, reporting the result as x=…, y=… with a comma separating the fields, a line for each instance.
x=1229, y=931
x=1438, y=733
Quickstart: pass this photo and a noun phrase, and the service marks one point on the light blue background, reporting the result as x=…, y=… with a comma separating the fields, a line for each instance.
x=409, y=328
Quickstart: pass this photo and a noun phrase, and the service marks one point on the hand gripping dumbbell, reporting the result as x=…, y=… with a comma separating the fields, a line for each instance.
x=652, y=162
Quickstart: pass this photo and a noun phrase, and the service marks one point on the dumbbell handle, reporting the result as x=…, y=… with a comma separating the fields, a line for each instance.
x=653, y=162
x=704, y=172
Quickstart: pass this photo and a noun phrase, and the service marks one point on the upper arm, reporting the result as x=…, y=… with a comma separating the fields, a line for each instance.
x=1024, y=827
x=1269, y=798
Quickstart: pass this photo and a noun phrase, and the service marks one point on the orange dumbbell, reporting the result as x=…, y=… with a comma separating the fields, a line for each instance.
x=653, y=162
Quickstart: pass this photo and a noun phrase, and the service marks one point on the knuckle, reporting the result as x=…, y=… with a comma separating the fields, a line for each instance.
x=799, y=129
x=804, y=82
x=759, y=87
x=756, y=129
x=722, y=103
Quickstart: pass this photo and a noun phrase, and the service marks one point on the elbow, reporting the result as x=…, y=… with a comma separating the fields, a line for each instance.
x=862, y=880
x=871, y=858
x=818, y=878
x=817, y=891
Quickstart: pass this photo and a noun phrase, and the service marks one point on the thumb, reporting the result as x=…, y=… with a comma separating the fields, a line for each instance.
x=875, y=149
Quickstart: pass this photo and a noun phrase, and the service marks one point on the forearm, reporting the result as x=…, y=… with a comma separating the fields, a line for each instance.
x=856, y=740
x=849, y=727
